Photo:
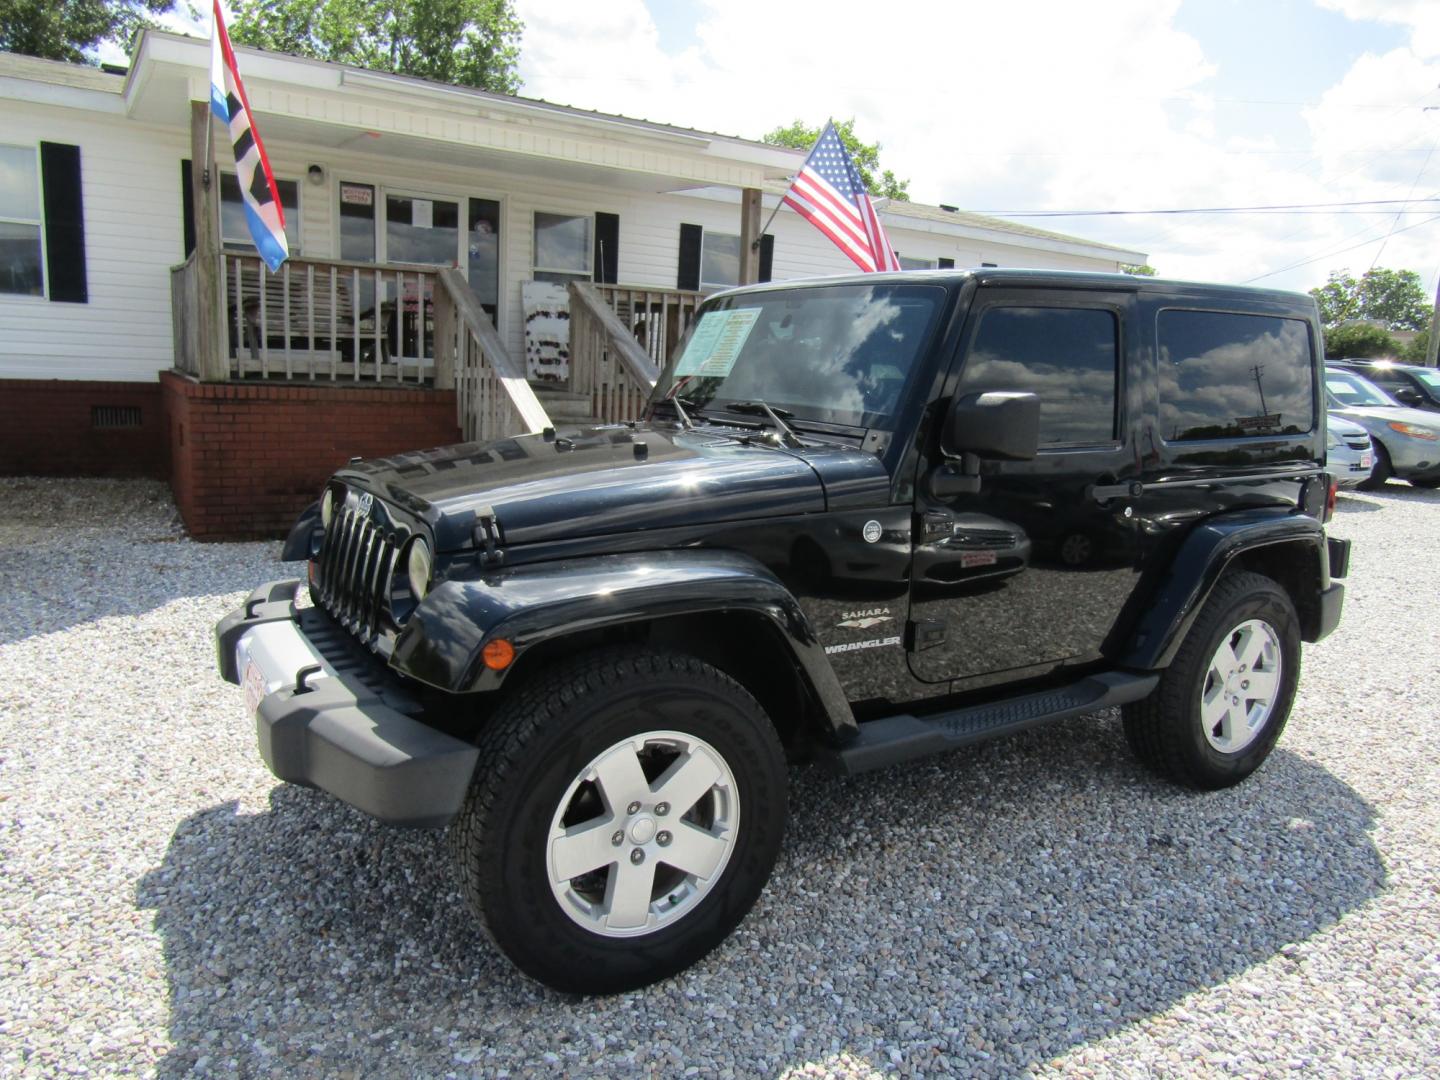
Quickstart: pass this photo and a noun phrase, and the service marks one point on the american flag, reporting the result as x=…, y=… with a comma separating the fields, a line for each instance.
x=263, y=212
x=829, y=193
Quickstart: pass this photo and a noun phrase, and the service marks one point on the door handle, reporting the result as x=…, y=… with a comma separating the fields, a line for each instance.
x=1132, y=489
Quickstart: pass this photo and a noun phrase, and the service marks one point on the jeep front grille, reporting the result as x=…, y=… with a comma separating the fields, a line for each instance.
x=355, y=565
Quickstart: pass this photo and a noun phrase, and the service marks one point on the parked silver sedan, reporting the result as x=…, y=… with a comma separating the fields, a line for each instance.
x=1348, y=454
x=1406, y=441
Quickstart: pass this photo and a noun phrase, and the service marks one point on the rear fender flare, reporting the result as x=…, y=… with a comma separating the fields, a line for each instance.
x=441, y=644
x=1209, y=550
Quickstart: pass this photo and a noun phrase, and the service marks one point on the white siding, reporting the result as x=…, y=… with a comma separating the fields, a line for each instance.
x=134, y=234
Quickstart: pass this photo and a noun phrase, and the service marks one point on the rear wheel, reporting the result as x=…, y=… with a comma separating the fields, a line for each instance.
x=1223, y=701
x=1379, y=472
x=626, y=815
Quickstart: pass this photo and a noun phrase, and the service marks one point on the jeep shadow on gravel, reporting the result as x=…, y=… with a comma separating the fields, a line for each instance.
x=866, y=520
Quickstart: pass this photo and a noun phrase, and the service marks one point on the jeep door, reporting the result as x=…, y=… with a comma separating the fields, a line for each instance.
x=1031, y=570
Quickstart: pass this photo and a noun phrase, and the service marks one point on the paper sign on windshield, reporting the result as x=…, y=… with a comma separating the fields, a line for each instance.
x=716, y=343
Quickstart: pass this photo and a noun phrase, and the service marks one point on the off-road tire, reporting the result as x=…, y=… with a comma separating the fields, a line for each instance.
x=1166, y=731
x=533, y=749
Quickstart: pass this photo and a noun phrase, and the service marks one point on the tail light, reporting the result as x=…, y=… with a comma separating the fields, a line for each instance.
x=1330, y=496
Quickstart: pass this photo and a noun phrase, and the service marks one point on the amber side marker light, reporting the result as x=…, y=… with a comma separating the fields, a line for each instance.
x=498, y=654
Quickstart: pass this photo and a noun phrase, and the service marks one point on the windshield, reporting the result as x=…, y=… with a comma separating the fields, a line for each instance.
x=842, y=354
x=1350, y=390
x=1431, y=379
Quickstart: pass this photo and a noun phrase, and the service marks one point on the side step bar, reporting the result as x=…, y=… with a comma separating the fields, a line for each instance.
x=882, y=743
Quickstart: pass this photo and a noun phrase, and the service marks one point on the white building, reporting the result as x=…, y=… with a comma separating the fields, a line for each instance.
x=385, y=180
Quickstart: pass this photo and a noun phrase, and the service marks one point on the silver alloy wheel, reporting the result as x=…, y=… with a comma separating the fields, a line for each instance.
x=1241, y=686
x=642, y=835
x=1076, y=549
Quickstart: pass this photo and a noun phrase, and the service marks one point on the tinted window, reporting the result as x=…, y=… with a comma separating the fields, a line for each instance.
x=843, y=354
x=1067, y=356
x=1224, y=375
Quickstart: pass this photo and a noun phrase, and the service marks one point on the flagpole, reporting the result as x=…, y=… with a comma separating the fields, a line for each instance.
x=754, y=244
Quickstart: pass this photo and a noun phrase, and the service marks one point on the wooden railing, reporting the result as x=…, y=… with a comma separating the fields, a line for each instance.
x=326, y=319
x=493, y=399
x=607, y=363
x=656, y=318
x=184, y=315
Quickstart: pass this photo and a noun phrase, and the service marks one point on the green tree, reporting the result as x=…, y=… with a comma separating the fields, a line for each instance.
x=880, y=182
x=67, y=29
x=1137, y=269
x=1359, y=340
x=465, y=42
x=1417, y=351
x=1392, y=298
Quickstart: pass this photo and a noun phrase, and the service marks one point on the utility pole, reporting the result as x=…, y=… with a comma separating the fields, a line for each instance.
x=1434, y=344
x=1258, y=370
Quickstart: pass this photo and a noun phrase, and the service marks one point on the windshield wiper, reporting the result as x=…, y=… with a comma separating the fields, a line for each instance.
x=681, y=405
x=787, y=433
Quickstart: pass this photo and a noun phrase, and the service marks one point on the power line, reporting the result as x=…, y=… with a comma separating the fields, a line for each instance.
x=1332, y=254
x=1274, y=208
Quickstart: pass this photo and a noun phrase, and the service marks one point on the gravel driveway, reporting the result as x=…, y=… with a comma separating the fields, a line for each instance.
x=1039, y=904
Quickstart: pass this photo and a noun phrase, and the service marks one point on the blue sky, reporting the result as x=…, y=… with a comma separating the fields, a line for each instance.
x=1117, y=104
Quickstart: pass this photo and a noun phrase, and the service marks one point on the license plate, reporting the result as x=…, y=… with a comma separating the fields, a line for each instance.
x=254, y=687
x=977, y=558
x=1367, y=460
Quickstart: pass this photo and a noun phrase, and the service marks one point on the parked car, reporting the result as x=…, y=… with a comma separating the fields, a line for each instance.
x=588, y=651
x=1348, y=452
x=1406, y=441
x=1409, y=384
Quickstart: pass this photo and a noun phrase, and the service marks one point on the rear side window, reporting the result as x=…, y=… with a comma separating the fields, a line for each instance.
x=1069, y=357
x=1226, y=376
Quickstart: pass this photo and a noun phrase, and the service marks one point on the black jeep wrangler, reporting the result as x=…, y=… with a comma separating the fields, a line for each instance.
x=867, y=519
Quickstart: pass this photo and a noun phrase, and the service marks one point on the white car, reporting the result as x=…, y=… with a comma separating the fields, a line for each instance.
x=1348, y=454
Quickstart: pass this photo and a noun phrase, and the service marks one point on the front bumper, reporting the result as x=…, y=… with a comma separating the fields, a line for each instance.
x=326, y=719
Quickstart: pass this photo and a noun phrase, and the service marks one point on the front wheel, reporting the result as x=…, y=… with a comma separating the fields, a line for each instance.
x=626, y=814
x=1223, y=701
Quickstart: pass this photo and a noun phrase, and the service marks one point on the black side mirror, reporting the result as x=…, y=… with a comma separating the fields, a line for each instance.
x=998, y=424
x=1406, y=396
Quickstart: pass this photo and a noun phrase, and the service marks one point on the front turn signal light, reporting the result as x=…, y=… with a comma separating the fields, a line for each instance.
x=498, y=654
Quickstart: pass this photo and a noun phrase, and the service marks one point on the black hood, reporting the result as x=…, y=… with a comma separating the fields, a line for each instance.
x=607, y=480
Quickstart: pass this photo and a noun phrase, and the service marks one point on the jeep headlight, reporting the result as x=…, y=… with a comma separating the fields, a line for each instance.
x=327, y=507
x=418, y=568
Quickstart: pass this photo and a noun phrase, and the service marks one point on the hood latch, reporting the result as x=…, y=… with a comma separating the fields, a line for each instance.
x=487, y=536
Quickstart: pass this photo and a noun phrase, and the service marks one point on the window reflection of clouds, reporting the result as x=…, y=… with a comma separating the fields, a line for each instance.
x=1065, y=356
x=844, y=352
x=1209, y=363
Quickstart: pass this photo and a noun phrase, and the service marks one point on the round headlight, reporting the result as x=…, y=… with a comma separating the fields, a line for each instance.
x=327, y=507
x=418, y=567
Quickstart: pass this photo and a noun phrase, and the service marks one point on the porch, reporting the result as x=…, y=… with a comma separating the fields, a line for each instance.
x=328, y=322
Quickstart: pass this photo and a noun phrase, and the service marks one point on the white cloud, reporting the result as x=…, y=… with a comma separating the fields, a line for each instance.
x=1421, y=17
x=1040, y=105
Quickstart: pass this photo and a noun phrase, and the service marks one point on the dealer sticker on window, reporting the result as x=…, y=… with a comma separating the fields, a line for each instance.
x=715, y=345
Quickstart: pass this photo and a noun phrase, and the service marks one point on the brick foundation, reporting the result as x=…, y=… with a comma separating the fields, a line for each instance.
x=61, y=427
x=246, y=458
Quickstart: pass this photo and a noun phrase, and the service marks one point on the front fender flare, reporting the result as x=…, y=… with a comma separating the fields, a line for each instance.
x=1203, y=557
x=530, y=604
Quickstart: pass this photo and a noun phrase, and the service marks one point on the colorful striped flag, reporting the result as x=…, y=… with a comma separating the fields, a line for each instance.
x=263, y=212
x=829, y=193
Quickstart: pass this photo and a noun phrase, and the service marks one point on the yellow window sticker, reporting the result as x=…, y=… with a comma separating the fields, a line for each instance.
x=716, y=343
